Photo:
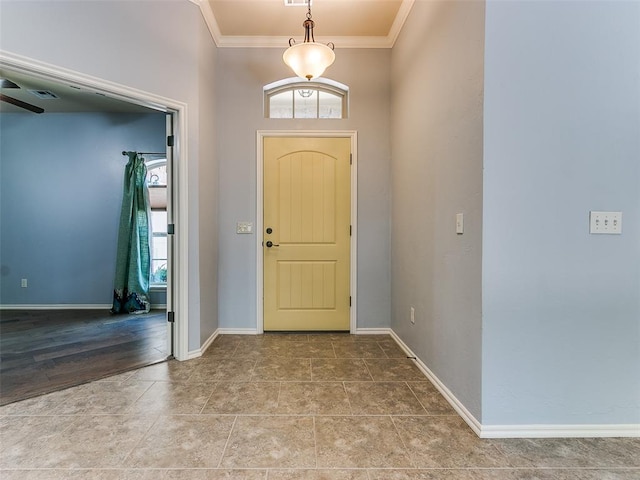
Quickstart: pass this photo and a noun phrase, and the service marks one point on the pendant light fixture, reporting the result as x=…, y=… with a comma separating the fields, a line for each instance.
x=308, y=59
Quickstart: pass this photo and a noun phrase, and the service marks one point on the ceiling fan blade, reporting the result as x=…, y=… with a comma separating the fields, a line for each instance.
x=6, y=83
x=21, y=104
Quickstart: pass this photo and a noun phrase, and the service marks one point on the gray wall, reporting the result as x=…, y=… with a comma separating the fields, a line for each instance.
x=437, y=93
x=241, y=75
x=208, y=189
x=561, y=330
x=163, y=50
x=61, y=180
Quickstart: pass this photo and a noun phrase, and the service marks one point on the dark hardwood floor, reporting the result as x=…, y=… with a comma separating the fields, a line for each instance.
x=46, y=350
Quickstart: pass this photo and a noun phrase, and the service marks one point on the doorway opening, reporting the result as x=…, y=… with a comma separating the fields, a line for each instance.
x=172, y=326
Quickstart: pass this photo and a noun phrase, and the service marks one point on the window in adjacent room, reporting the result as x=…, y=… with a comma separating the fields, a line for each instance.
x=157, y=183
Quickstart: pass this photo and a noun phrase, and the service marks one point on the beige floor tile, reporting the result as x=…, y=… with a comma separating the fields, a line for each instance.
x=97, y=441
x=392, y=349
x=394, y=370
x=621, y=474
x=271, y=442
x=180, y=441
x=273, y=337
x=323, y=370
x=614, y=452
x=359, y=442
x=298, y=349
x=221, y=348
x=59, y=474
x=22, y=437
x=243, y=398
x=571, y=452
x=316, y=417
x=331, y=337
x=213, y=370
x=105, y=474
x=371, y=338
x=252, y=349
x=320, y=350
x=41, y=405
x=281, y=368
x=103, y=398
x=313, y=398
x=235, y=338
x=505, y=474
x=383, y=398
x=215, y=475
x=446, y=442
x=317, y=475
x=358, y=350
x=411, y=475
x=173, y=398
x=170, y=371
x=431, y=399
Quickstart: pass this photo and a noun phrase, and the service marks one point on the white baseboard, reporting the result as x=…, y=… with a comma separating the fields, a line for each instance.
x=71, y=306
x=59, y=306
x=473, y=423
x=373, y=331
x=520, y=431
x=220, y=331
x=237, y=331
x=560, y=431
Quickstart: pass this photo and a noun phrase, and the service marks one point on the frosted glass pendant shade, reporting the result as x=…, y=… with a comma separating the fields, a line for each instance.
x=309, y=59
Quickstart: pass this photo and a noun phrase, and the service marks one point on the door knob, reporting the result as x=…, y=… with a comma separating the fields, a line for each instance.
x=271, y=244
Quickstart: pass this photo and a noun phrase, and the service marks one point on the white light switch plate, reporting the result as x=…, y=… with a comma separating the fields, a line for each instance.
x=244, y=227
x=459, y=223
x=605, y=223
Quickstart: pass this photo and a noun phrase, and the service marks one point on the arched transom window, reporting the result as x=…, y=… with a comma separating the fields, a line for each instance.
x=296, y=98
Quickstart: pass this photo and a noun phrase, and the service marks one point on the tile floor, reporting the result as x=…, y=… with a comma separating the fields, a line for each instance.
x=281, y=407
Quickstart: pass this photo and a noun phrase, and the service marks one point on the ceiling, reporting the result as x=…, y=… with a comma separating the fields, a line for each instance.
x=270, y=23
x=238, y=23
x=70, y=98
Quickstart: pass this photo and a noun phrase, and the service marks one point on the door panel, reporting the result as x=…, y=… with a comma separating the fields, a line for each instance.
x=307, y=205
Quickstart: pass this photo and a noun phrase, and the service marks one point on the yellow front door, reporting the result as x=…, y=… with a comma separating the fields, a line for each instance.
x=306, y=237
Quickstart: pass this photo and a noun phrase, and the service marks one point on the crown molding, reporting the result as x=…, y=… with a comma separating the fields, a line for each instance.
x=233, y=41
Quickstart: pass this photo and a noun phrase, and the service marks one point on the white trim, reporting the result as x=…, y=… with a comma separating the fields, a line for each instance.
x=560, y=431
x=475, y=425
x=194, y=354
x=238, y=331
x=59, y=306
x=353, y=135
x=252, y=41
x=70, y=306
x=285, y=82
x=203, y=348
x=220, y=331
x=373, y=331
x=40, y=69
x=519, y=431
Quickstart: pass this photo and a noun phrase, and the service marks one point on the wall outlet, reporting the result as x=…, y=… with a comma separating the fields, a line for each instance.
x=24, y=283
x=413, y=315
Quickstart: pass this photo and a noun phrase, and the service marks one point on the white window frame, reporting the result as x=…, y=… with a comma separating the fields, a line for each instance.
x=319, y=84
x=151, y=164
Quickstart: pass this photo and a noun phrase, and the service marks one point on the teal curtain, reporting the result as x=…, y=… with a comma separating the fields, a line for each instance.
x=133, y=262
